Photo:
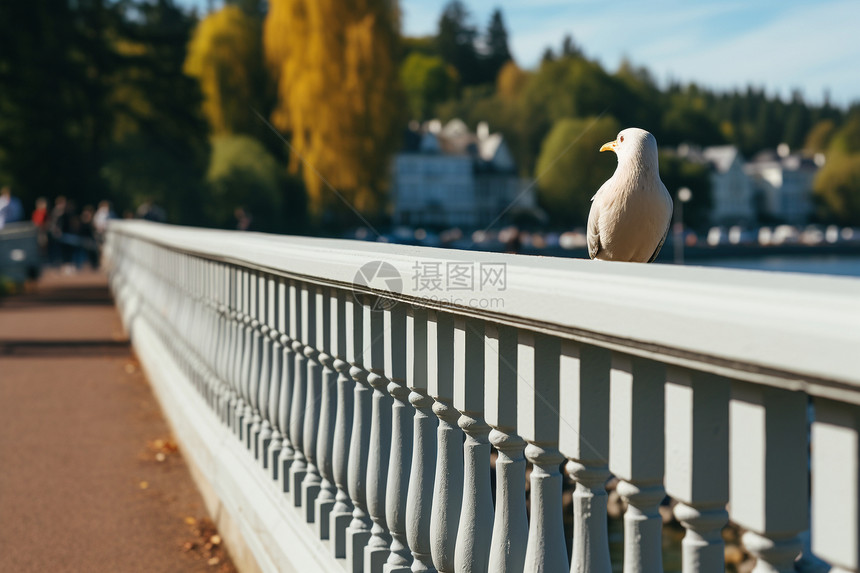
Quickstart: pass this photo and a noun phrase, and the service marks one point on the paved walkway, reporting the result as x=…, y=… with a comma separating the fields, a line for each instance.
x=90, y=479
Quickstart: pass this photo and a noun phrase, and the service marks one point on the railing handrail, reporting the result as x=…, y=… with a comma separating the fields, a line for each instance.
x=794, y=331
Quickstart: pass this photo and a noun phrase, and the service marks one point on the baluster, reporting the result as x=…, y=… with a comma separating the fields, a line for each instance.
x=697, y=464
x=358, y=532
x=310, y=327
x=287, y=324
x=261, y=387
x=636, y=426
x=420, y=495
x=242, y=357
x=400, y=460
x=447, y=486
x=328, y=404
x=835, y=479
x=538, y=358
x=768, y=466
x=376, y=552
x=273, y=377
x=510, y=526
x=298, y=463
x=584, y=439
x=250, y=369
x=474, y=533
x=341, y=512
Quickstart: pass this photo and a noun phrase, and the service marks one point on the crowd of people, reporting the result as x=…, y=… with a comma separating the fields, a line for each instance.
x=68, y=237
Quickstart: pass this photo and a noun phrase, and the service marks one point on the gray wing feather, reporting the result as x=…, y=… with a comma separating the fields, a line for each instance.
x=660, y=244
x=593, y=232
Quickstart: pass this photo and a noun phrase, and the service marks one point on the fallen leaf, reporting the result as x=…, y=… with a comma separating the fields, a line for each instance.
x=215, y=539
x=144, y=484
x=159, y=457
x=190, y=520
x=158, y=444
x=214, y=561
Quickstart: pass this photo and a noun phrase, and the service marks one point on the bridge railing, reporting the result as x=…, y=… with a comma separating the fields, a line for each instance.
x=372, y=388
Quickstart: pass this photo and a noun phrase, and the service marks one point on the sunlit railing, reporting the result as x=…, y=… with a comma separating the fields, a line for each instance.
x=372, y=382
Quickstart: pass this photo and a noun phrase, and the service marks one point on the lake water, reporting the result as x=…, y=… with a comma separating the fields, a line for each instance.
x=823, y=265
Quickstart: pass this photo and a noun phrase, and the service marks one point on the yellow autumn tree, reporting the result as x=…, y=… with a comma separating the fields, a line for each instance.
x=225, y=55
x=338, y=98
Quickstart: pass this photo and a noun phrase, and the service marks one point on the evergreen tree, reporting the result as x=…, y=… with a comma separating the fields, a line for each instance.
x=498, y=53
x=455, y=42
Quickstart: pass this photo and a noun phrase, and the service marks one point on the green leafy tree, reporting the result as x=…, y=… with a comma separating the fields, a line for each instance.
x=837, y=188
x=242, y=174
x=819, y=136
x=570, y=169
x=427, y=81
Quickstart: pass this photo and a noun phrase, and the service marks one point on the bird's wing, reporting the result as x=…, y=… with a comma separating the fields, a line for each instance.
x=593, y=232
x=660, y=244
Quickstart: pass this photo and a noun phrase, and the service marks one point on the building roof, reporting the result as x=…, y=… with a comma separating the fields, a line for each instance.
x=721, y=156
x=488, y=150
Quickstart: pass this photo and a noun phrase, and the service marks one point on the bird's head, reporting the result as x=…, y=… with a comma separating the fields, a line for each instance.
x=633, y=144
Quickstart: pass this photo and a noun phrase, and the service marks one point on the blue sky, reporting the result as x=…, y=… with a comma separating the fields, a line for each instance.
x=780, y=45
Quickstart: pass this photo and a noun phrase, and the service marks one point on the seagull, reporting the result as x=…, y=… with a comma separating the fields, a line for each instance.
x=630, y=213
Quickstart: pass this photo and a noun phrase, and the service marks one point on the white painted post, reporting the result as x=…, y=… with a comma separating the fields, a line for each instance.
x=311, y=325
x=584, y=440
x=358, y=532
x=538, y=358
x=298, y=465
x=836, y=484
x=271, y=372
x=278, y=398
x=768, y=466
x=287, y=320
x=341, y=513
x=447, y=489
x=475, y=530
x=376, y=552
x=697, y=464
x=252, y=367
x=328, y=412
x=636, y=427
x=261, y=387
x=400, y=458
x=420, y=496
x=510, y=526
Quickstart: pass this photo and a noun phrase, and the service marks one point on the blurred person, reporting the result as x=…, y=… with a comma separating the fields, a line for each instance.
x=56, y=225
x=243, y=219
x=100, y=220
x=11, y=209
x=40, y=220
x=87, y=248
x=149, y=211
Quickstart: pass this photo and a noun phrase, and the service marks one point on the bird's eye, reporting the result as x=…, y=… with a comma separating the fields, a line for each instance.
x=621, y=139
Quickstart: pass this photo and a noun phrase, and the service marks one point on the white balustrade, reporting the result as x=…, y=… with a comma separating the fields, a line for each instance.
x=365, y=417
x=768, y=483
x=510, y=525
x=447, y=489
x=636, y=432
x=697, y=468
x=584, y=439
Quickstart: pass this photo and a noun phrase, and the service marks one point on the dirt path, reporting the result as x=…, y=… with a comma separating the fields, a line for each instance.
x=90, y=479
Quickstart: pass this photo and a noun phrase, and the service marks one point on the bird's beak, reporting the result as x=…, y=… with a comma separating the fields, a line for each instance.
x=611, y=146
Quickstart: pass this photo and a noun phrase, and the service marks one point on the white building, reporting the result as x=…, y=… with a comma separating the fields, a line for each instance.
x=450, y=177
x=732, y=198
x=783, y=184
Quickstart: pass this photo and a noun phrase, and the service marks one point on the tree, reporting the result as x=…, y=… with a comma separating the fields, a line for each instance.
x=242, y=174
x=498, y=54
x=427, y=81
x=569, y=169
x=837, y=187
x=225, y=55
x=455, y=42
x=338, y=97
x=819, y=136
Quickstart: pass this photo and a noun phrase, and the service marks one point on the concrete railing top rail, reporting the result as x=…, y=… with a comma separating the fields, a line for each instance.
x=798, y=332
